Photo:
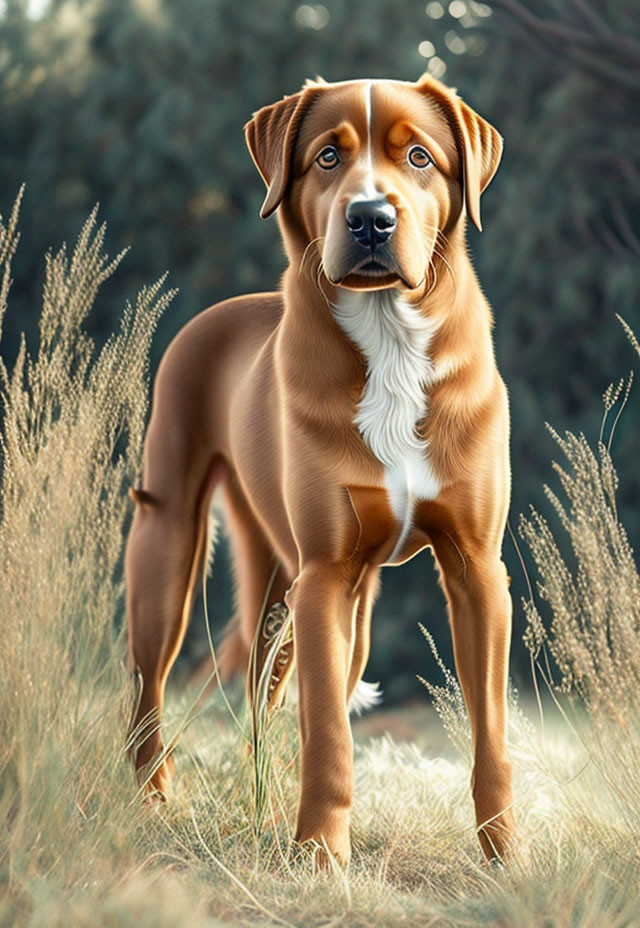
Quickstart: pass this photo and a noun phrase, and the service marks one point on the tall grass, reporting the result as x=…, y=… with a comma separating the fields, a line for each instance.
x=72, y=428
x=79, y=847
x=592, y=595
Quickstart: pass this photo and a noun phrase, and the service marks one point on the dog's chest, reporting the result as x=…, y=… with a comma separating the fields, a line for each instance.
x=394, y=338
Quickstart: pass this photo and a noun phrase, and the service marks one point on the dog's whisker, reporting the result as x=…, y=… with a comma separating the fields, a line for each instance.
x=313, y=241
x=440, y=240
x=449, y=268
x=319, y=271
x=438, y=251
x=431, y=267
x=439, y=233
x=319, y=275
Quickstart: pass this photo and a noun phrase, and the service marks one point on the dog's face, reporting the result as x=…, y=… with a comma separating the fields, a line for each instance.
x=371, y=172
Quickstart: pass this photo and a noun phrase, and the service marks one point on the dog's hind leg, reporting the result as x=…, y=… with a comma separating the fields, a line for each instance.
x=164, y=549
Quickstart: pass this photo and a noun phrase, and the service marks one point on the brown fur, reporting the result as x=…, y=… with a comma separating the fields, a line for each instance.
x=259, y=393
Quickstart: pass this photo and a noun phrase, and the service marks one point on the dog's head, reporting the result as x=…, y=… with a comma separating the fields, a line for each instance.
x=370, y=172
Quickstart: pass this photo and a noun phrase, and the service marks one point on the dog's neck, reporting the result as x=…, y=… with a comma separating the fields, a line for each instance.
x=394, y=338
x=447, y=319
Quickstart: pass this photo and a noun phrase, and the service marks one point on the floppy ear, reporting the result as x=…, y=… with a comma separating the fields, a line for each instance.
x=479, y=144
x=271, y=136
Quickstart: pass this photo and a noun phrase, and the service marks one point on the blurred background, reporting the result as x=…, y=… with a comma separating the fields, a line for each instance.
x=139, y=104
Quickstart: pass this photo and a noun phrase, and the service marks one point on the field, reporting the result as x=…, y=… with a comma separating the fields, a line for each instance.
x=78, y=844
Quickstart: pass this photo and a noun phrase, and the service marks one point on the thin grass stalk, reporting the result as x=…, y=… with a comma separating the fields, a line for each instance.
x=261, y=715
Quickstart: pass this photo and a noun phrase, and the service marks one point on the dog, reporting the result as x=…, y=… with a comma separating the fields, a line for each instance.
x=351, y=419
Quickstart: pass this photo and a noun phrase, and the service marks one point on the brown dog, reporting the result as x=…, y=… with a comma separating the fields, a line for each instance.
x=353, y=418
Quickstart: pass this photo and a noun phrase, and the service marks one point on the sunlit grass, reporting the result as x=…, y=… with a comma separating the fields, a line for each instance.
x=79, y=848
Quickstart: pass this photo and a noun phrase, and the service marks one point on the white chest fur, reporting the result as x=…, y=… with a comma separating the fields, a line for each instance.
x=394, y=338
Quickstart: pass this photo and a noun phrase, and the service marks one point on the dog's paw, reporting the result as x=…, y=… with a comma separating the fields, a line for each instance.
x=154, y=778
x=316, y=858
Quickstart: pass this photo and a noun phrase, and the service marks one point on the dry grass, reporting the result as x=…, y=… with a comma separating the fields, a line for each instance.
x=78, y=847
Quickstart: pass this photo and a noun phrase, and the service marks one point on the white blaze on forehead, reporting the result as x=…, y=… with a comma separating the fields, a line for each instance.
x=369, y=191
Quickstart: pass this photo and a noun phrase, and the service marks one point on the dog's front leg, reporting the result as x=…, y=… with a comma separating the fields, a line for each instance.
x=480, y=611
x=323, y=610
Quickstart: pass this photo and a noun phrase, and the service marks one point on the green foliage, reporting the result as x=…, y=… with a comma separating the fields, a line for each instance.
x=561, y=248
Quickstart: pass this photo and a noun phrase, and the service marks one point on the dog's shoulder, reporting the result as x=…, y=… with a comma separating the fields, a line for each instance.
x=225, y=336
x=250, y=317
x=252, y=310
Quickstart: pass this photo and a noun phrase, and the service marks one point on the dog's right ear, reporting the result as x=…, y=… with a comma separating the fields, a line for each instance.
x=271, y=136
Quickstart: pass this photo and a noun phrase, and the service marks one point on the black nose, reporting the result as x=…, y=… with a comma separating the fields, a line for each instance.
x=371, y=222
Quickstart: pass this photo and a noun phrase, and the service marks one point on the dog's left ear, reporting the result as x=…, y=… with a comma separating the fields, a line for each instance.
x=479, y=144
x=271, y=136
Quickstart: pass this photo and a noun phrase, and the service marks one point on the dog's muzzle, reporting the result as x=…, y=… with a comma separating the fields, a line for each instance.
x=371, y=222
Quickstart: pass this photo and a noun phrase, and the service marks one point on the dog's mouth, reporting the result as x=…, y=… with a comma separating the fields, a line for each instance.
x=370, y=273
x=373, y=268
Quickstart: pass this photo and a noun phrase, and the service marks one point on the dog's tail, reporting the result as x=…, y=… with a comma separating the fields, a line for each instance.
x=365, y=696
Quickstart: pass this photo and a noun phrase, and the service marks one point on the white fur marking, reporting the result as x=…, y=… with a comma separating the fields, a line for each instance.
x=394, y=338
x=445, y=368
x=368, y=191
x=364, y=697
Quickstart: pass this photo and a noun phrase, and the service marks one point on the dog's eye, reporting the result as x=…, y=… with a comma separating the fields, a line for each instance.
x=418, y=157
x=328, y=158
